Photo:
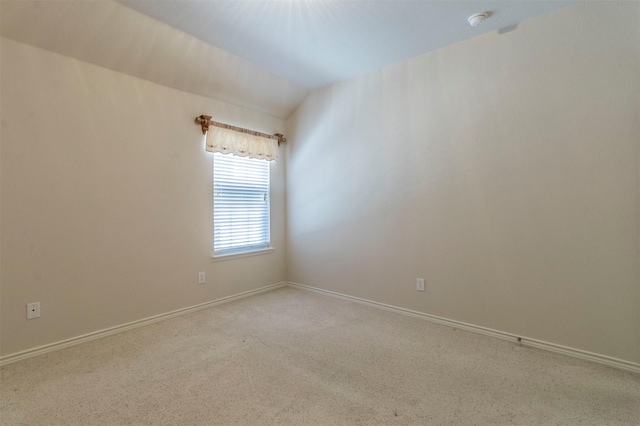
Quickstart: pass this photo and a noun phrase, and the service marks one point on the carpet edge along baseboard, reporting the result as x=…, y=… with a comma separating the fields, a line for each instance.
x=50, y=347
x=522, y=340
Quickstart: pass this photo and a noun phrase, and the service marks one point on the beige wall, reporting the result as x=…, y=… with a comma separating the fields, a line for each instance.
x=106, y=199
x=503, y=169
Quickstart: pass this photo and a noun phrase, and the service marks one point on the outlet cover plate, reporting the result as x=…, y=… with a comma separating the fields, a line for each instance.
x=33, y=310
x=420, y=284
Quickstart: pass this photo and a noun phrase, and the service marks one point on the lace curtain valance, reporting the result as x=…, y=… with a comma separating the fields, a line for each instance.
x=241, y=144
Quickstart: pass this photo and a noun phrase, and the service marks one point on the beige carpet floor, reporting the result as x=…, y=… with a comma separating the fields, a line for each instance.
x=295, y=357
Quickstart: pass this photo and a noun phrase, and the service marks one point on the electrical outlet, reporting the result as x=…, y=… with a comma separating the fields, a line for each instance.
x=201, y=278
x=33, y=310
x=420, y=284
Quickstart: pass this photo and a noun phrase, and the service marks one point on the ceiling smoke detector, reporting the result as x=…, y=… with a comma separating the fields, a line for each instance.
x=478, y=18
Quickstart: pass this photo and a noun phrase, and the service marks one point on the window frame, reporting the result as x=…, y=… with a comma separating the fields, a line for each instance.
x=242, y=251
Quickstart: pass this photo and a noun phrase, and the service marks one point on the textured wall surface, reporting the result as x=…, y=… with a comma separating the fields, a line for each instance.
x=504, y=170
x=107, y=199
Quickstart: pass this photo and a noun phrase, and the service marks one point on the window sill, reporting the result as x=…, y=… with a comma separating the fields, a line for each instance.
x=231, y=256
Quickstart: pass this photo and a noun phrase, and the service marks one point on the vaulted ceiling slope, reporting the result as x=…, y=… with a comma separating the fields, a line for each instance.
x=317, y=42
x=111, y=35
x=261, y=54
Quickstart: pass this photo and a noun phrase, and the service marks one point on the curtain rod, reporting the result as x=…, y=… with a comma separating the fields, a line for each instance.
x=205, y=121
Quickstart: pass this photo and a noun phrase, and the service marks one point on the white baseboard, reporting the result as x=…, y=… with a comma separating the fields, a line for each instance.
x=524, y=341
x=18, y=356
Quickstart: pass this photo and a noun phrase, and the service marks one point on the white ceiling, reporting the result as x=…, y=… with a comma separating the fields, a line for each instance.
x=261, y=54
x=317, y=42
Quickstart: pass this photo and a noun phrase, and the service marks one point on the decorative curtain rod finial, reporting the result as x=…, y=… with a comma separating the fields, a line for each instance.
x=205, y=122
x=281, y=138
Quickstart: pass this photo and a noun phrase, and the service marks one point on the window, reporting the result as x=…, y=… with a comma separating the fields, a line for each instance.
x=240, y=204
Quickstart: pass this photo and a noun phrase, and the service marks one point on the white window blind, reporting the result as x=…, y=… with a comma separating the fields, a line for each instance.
x=240, y=204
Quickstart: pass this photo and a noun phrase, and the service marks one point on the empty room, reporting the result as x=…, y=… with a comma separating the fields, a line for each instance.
x=319, y=212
